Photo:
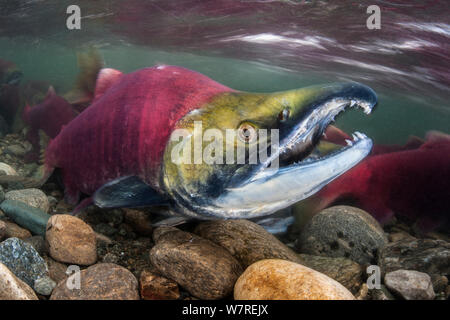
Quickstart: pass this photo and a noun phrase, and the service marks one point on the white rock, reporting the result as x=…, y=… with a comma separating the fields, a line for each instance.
x=33, y=197
x=12, y=288
x=6, y=168
x=410, y=284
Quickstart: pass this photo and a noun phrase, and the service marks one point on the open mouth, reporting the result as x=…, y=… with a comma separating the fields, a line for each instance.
x=301, y=145
x=300, y=170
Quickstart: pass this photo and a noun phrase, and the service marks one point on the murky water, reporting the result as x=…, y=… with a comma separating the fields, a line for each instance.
x=255, y=46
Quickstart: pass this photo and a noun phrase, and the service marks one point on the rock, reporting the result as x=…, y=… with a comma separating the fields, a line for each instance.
x=38, y=243
x=410, y=284
x=424, y=255
x=14, y=231
x=110, y=258
x=28, y=217
x=439, y=282
x=71, y=240
x=7, y=169
x=102, y=281
x=276, y=279
x=342, y=231
x=155, y=287
x=22, y=260
x=56, y=270
x=16, y=150
x=345, y=271
x=139, y=221
x=105, y=229
x=33, y=197
x=245, y=240
x=2, y=230
x=363, y=293
x=204, y=269
x=397, y=236
x=12, y=288
x=44, y=286
x=159, y=232
x=381, y=294
x=2, y=194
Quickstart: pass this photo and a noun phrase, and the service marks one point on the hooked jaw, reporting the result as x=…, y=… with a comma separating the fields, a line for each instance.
x=270, y=189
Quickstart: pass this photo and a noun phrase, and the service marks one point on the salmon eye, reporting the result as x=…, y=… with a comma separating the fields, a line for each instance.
x=247, y=132
x=284, y=114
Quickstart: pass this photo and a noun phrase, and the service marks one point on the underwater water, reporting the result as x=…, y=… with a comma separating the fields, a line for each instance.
x=257, y=46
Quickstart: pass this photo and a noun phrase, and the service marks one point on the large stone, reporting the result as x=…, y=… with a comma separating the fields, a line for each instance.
x=29, y=217
x=32, y=197
x=14, y=231
x=2, y=230
x=155, y=287
x=342, y=231
x=203, y=268
x=12, y=288
x=139, y=221
x=71, y=240
x=56, y=270
x=44, y=286
x=23, y=260
x=276, y=279
x=7, y=169
x=102, y=281
x=345, y=271
x=410, y=284
x=245, y=240
x=424, y=255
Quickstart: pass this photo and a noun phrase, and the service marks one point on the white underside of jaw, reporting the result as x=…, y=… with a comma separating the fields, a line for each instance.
x=275, y=189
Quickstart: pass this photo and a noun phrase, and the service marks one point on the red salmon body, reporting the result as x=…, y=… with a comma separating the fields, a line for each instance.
x=124, y=132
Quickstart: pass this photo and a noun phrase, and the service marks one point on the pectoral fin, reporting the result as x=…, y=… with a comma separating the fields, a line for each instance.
x=127, y=192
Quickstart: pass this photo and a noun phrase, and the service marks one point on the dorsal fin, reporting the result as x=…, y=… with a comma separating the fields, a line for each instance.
x=107, y=77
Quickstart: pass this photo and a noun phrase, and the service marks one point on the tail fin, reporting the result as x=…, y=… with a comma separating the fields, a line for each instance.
x=90, y=62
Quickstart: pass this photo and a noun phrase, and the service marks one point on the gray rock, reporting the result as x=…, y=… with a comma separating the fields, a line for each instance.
x=26, y=216
x=32, y=197
x=44, y=286
x=345, y=271
x=16, y=150
x=2, y=194
x=23, y=260
x=410, y=284
x=204, y=269
x=424, y=255
x=342, y=231
x=245, y=240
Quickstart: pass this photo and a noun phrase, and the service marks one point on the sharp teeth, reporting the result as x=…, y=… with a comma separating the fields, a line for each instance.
x=349, y=142
x=352, y=103
x=354, y=137
x=360, y=135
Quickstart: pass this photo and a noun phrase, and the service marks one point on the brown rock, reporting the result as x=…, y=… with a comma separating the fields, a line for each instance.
x=102, y=281
x=12, y=288
x=245, y=240
x=155, y=287
x=203, y=268
x=139, y=221
x=14, y=231
x=56, y=270
x=275, y=279
x=2, y=230
x=71, y=240
x=345, y=271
